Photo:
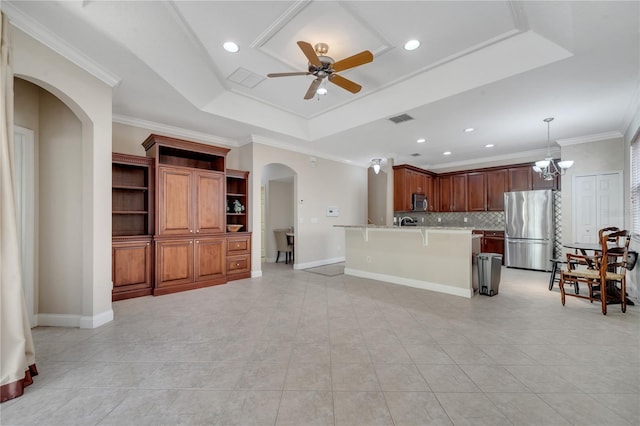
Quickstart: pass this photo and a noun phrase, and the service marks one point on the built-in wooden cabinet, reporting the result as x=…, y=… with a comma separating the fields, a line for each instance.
x=185, y=201
x=459, y=196
x=237, y=195
x=470, y=190
x=476, y=192
x=238, y=257
x=170, y=219
x=496, y=187
x=519, y=178
x=491, y=242
x=132, y=195
x=409, y=180
x=445, y=193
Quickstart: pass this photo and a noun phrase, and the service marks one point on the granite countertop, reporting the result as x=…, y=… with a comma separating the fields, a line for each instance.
x=456, y=228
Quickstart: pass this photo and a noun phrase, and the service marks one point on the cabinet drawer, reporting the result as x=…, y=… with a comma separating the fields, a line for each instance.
x=238, y=245
x=238, y=264
x=496, y=234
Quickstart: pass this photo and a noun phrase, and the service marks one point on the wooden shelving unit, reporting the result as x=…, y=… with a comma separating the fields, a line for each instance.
x=131, y=226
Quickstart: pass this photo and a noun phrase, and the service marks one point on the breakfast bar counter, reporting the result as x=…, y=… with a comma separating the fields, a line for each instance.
x=432, y=258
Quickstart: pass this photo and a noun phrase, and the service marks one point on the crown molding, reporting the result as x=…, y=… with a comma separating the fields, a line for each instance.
x=35, y=29
x=289, y=147
x=174, y=131
x=590, y=138
x=541, y=153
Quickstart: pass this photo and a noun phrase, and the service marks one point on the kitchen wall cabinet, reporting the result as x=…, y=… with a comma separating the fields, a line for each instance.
x=496, y=187
x=469, y=190
x=131, y=226
x=409, y=180
x=519, y=178
x=476, y=192
x=452, y=191
x=445, y=193
x=459, y=196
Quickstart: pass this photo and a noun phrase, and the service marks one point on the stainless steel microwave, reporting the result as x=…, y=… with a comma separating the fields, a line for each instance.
x=419, y=203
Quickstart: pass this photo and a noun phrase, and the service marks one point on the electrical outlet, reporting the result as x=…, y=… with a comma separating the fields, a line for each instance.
x=423, y=220
x=466, y=220
x=439, y=219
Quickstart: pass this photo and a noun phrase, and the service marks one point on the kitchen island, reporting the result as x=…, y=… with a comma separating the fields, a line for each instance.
x=432, y=258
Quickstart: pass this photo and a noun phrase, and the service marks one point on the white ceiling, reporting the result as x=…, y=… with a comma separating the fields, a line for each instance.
x=498, y=66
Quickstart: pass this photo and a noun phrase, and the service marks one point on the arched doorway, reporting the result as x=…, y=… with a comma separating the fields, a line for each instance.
x=278, y=207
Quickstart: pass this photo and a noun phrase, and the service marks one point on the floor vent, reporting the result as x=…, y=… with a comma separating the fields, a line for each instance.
x=401, y=118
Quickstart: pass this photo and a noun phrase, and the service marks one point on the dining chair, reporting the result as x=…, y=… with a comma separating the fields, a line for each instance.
x=603, y=272
x=282, y=244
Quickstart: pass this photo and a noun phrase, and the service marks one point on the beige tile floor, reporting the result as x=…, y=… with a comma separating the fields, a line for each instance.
x=299, y=348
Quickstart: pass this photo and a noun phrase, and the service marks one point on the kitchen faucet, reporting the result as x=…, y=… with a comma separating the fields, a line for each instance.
x=402, y=219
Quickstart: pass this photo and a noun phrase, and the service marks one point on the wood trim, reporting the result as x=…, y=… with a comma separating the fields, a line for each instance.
x=154, y=139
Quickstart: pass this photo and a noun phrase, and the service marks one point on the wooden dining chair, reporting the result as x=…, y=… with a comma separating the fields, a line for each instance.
x=602, y=273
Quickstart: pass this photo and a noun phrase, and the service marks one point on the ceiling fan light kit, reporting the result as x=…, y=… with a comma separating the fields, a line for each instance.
x=375, y=163
x=325, y=67
x=547, y=168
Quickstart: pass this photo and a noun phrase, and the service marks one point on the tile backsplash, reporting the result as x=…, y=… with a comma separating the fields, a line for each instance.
x=476, y=220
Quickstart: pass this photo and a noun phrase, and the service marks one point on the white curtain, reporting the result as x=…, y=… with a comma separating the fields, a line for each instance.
x=17, y=356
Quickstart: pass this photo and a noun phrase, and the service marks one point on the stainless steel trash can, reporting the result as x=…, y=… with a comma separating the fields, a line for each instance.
x=489, y=267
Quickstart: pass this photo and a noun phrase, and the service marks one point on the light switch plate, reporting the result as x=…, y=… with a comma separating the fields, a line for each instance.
x=333, y=211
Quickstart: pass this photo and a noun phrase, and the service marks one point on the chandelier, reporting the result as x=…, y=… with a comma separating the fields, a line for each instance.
x=547, y=168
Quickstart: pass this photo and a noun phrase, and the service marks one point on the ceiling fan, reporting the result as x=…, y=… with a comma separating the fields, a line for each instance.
x=323, y=66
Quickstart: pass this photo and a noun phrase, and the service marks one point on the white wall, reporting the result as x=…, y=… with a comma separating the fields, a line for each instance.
x=601, y=156
x=90, y=101
x=317, y=186
x=60, y=208
x=377, y=196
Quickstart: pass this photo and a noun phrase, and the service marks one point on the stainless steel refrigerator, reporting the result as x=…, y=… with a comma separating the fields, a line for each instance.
x=529, y=229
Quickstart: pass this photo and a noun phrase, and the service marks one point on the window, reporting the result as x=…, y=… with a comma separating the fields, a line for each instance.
x=635, y=186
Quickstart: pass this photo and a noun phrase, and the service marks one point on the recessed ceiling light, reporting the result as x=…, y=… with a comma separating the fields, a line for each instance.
x=421, y=140
x=469, y=130
x=489, y=145
x=411, y=45
x=446, y=153
x=230, y=46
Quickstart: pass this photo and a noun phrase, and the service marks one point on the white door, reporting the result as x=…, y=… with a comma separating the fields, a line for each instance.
x=24, y=188
x=597, y=203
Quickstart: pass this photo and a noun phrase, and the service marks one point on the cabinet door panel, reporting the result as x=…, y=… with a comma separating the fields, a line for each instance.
x=174, y=201
x=210, y=258
x=445, y=191
x=175, y=262
x=131, y=267
x=459, y=193
x=496, y=187
x=210, y=210
x=476, y=192
x=520, y=178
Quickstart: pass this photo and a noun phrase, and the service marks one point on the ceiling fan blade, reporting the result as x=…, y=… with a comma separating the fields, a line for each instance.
x=353, y=61
x=310, y=53
x=287, y=74
x=311, y=92
x=345, y=83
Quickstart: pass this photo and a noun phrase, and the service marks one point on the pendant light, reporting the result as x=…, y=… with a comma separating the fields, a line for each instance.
x=547, y=168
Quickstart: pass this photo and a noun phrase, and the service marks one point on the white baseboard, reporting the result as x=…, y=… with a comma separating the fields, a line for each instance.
x=317, y=263
x=256, y=274
x=76, y=321
x=425, y=285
